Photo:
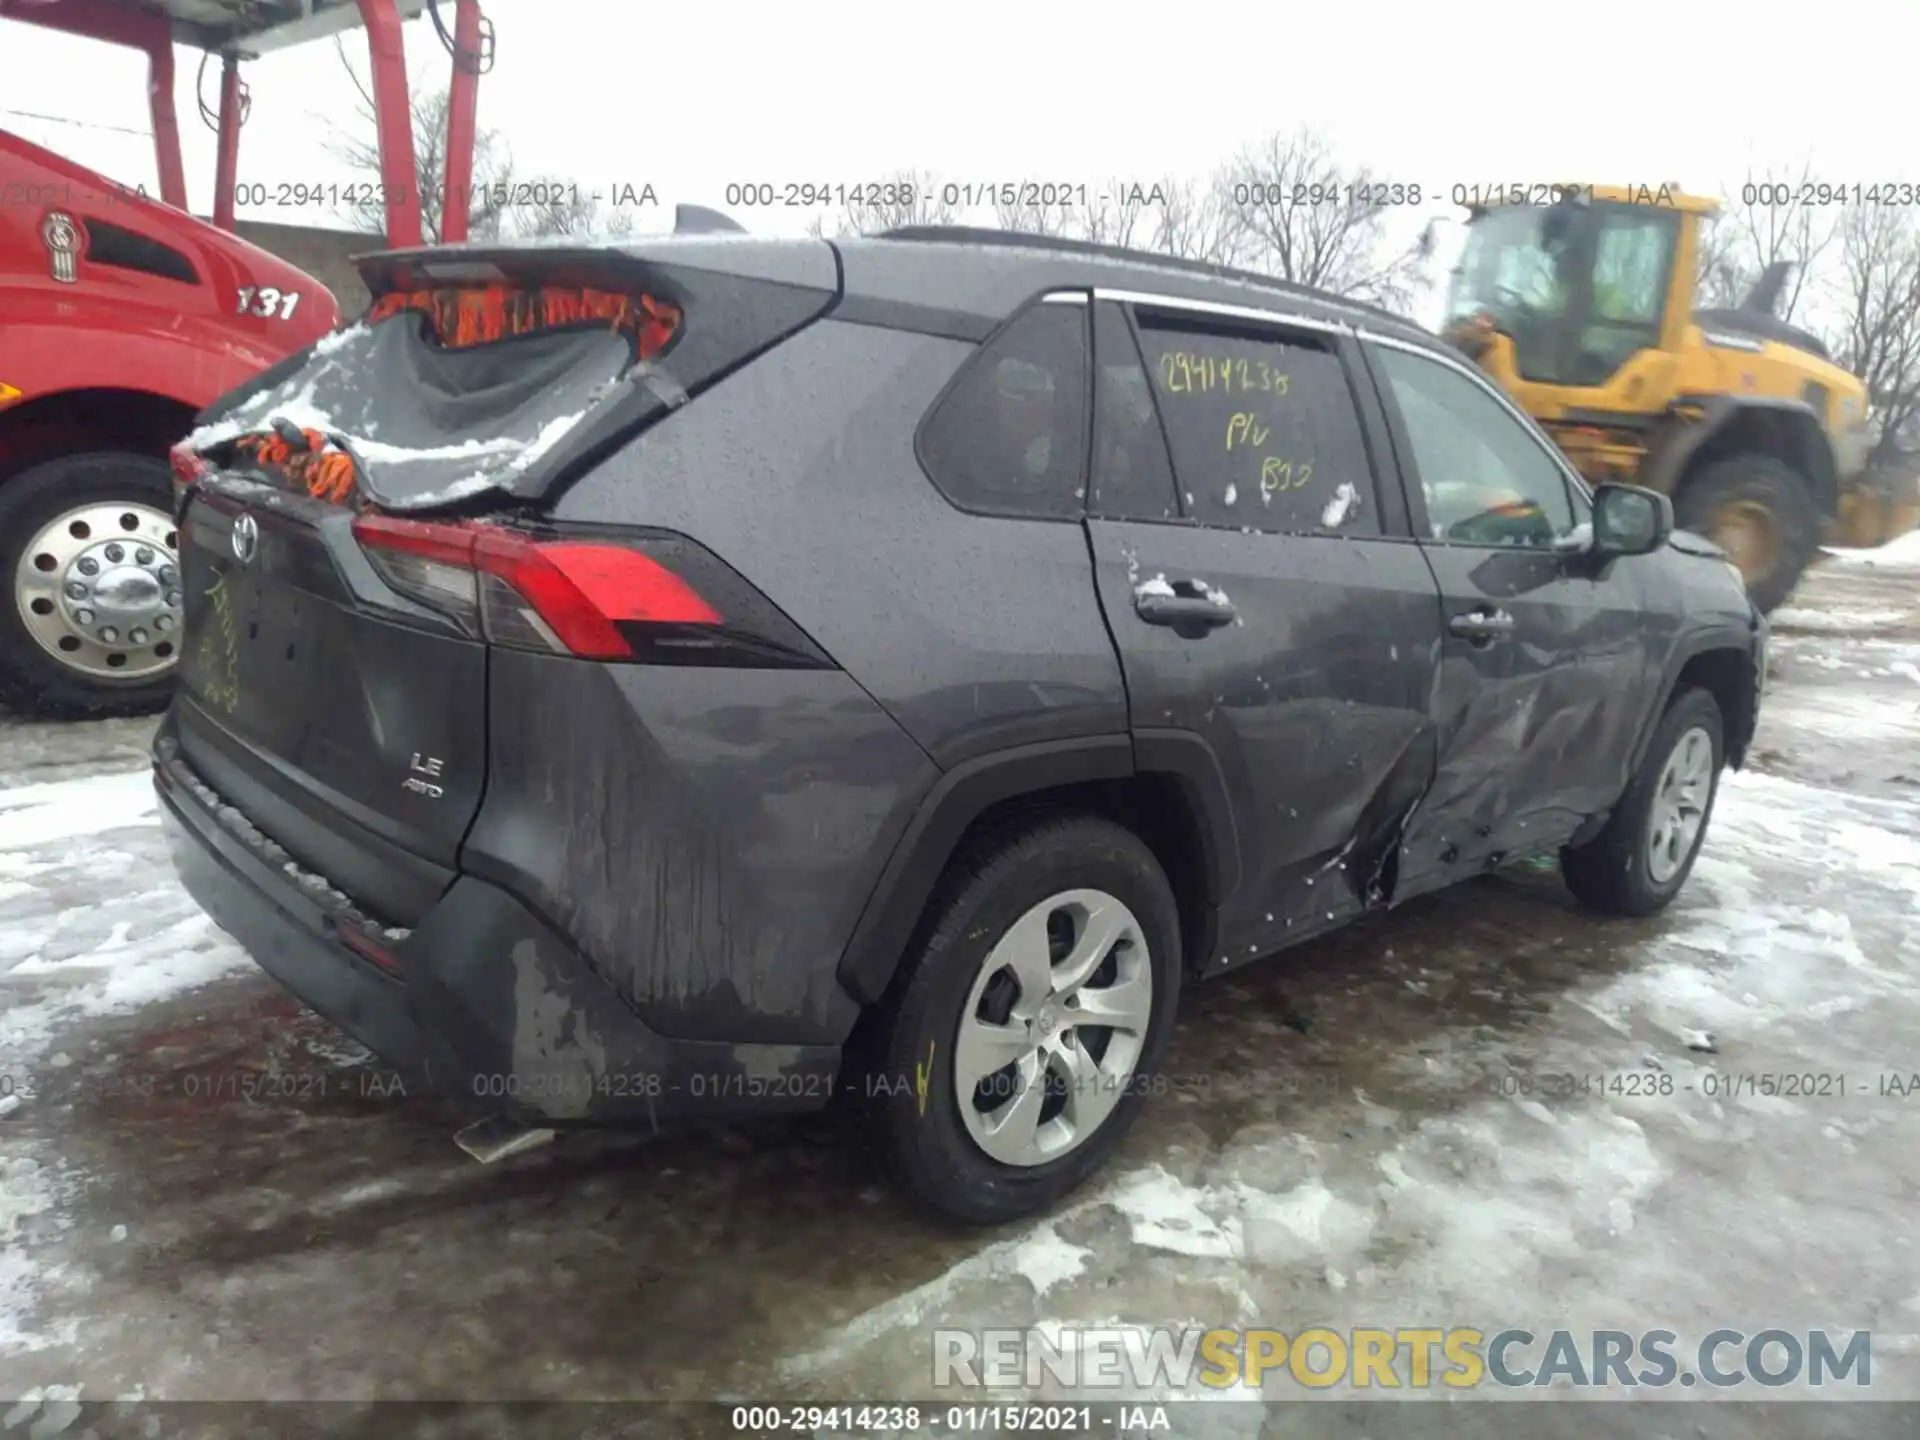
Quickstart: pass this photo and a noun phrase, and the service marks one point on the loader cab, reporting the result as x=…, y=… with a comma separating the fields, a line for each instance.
x=1578, y=286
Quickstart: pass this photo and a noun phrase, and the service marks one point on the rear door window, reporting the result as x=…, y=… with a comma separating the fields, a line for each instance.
x=1263, y=426
x=1009, y=436
x=1132, y=476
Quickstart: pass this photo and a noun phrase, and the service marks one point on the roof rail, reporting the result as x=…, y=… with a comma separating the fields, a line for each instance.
x=1017, y=239
x=699, y=220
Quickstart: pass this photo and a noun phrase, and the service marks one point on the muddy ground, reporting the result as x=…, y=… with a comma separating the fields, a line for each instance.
x=206, y=1193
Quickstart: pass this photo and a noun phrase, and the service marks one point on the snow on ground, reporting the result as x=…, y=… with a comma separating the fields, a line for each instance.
x=1553, y=1209
x=59, y=964
x=1838, y=622
x=139, y=942
x=1364, y=1131
x=1900, y=553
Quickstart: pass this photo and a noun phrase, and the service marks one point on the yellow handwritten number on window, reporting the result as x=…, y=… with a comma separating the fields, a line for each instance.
x=1278, y=476
x=1184, y=373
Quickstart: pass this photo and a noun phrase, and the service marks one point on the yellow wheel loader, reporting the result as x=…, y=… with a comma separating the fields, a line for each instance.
x=1579, y=302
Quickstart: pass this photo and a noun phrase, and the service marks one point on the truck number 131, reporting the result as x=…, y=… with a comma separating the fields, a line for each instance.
x=267, y=302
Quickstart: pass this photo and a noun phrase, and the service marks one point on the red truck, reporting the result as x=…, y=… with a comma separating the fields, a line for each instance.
x=123, y=316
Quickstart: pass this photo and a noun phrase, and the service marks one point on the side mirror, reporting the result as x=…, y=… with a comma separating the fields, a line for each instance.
x=1628, y=520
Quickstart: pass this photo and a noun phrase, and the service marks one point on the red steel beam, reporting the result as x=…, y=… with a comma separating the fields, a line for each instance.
x=146, y=30
x=166, y=126
x=462, y=103
x=226, y=170
x=393, y=113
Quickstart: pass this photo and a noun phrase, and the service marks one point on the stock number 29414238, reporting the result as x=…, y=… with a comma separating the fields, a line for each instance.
x=1565, y=1085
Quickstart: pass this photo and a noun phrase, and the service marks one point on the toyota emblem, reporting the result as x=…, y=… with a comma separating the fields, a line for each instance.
x=246, y=538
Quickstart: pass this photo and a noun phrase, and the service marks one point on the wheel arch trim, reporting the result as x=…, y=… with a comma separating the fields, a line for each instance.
x=893, y=910
x=1722, y=640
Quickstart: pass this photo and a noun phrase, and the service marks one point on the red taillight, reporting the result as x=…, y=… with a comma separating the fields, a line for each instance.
x=188, y=466
x=449, y=544
x=364, y=946
x=579, y=590
x=567, y=595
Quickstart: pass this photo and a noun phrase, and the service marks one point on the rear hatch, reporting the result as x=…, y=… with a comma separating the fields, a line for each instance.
x=360, y=524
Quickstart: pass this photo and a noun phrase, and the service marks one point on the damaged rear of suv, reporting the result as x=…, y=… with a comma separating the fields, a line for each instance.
x=712, y=674
x=382, y=713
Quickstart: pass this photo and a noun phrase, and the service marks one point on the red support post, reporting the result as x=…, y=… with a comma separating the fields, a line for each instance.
x=462, y=103
x=393, y=109
x=138, y=29
x=166, y=126
x=226, y=170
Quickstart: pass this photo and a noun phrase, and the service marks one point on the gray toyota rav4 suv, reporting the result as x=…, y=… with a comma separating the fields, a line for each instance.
x=708, y=674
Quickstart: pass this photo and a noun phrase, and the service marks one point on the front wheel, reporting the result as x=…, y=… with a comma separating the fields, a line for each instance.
x=1639, y=861
x=89, y=551
x=1758, y=510
x=1030, y=1023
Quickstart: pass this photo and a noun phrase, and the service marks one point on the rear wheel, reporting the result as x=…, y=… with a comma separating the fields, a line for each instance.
x=1758, y=510
x=1028, y=1025
x=92, y=622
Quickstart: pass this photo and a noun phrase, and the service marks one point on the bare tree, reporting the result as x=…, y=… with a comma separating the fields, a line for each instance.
x=1720, y=273
x=907, y=197
x=492, y=166
x=561, y=207
x=1035, y=214
x=1168, y=216
x=1195, y=220
x=1302, y=215
x=1771, y=217
x=1879, y=332
x=1119, y=216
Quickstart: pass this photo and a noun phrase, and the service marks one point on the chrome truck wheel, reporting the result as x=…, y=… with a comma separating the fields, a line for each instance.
x=99, y=588
x=88, y=548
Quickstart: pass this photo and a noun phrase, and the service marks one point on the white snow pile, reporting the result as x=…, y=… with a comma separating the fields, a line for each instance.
x=33, y=1211
x=1345, y=498
x=1900, y=553
x=32, y=815
x=1507, y=1206
x=1160, y=586
x=60, y=964
x=1215, y=597
x=1836, y=622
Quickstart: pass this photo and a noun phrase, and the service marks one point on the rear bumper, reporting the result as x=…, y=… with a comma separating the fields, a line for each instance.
x=490, y=1005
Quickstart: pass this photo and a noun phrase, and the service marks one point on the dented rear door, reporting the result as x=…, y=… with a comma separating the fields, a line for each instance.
x=1299, y=659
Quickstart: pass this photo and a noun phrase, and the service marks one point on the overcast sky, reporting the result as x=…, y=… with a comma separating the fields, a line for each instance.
x=688, y=97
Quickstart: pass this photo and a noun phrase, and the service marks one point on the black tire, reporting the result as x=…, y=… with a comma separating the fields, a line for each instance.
x=1610, y=872
x=1772, y=486
x=31, y=680
x=914, y=1107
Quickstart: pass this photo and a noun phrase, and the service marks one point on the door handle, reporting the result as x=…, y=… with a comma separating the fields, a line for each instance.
x=1189, y=614
x=1482, y=626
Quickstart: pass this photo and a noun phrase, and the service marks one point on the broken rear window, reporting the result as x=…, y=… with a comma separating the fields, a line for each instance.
x=438, y=394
